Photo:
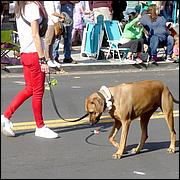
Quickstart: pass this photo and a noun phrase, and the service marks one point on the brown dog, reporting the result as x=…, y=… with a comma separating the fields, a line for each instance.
x=128, y=101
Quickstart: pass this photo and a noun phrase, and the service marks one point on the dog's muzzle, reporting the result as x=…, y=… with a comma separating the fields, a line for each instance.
x=94, y=121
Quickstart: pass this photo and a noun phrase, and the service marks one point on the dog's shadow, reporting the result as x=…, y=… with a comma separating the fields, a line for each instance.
x=149, y=147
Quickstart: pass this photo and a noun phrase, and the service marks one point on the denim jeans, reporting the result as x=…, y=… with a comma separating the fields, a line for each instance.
x=55, y=51
x=68, y=8
x=155, y=41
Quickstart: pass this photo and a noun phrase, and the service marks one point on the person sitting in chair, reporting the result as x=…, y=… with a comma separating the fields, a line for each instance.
x=158, y=33
x=132, y=37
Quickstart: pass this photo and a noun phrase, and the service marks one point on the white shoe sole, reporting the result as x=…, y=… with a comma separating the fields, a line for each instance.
x=6, y=132
x=47, y=137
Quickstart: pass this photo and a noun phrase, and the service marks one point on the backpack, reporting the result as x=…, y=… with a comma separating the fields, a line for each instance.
x=43, y=24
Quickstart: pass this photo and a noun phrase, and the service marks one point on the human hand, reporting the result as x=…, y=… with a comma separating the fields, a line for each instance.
x=45, y=68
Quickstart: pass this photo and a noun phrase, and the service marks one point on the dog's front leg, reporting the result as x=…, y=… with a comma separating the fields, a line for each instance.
x=116, y=126
x=122, y=144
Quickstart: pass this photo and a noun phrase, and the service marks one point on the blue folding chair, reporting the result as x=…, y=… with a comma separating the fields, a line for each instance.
x=92, y=36
x=114, y=33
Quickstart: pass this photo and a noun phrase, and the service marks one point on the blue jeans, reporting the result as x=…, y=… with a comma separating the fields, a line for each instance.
x=55, y=52
x=155, y=41
x=68, y=8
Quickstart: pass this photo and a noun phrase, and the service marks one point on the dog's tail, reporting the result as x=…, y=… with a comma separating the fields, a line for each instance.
x=174, y=100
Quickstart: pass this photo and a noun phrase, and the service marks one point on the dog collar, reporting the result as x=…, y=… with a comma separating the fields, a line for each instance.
x=107, y=96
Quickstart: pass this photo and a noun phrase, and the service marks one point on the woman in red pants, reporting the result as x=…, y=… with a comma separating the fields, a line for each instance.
x=34, y=67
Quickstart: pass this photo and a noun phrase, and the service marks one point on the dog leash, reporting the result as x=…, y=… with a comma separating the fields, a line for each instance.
x=54, y=103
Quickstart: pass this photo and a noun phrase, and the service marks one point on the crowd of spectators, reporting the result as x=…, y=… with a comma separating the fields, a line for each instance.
x=153, y=21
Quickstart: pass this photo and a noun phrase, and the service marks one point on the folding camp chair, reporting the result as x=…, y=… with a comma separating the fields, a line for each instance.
x=114, y=33
x=9, y=42
x=92, y=36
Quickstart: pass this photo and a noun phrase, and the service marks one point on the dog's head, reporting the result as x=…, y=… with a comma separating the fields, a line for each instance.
x=94, y=106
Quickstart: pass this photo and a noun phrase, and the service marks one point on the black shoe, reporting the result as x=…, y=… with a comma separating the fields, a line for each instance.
x=69, y=60
x=57, y=60
x=84, y=55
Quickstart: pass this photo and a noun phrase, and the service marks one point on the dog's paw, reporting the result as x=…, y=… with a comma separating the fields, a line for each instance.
x=135, y=151
x=171, y=150
x=116, y=156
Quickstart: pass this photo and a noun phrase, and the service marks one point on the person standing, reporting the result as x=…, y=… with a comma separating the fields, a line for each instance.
x=34, y=66
x=118, y=7
x=102, y=11
x=167, y=10
x=78, y=23
x=103, y=8
x=53, y=10
x=68, y=7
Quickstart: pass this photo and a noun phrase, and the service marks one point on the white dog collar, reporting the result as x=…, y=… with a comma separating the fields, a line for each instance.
x=107, y=95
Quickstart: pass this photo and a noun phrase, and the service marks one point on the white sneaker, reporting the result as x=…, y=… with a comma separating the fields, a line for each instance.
x=6, y=127
x=57, y=64
x=53, y=63
x=45, y=132
x=169, y=59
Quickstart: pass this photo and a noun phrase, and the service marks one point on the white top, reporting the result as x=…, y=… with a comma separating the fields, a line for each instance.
x=51, y=7
x=24, y=30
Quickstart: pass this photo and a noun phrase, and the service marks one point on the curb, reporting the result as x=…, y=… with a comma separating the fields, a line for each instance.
x=118, y=66
x=101, y=66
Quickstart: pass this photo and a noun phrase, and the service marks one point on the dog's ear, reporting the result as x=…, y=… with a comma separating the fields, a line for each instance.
x=94, y=103
x=89, y=105
x=87, y=102
x=99, y=104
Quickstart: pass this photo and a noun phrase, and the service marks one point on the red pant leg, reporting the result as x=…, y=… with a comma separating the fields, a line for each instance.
x=34, y=86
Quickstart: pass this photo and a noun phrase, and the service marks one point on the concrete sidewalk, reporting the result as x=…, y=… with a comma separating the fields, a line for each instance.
x=91, y=64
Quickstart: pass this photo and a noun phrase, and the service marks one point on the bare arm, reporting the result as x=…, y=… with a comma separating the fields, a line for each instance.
x=36, y=38
x=59, y=15
x=38, y=45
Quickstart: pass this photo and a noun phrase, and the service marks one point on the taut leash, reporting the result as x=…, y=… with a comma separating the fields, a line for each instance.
x=54, y=103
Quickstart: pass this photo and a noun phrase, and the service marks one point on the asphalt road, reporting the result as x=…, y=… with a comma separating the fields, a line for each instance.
x=78, y=153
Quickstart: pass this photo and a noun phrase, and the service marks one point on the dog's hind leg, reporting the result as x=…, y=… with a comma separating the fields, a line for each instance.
x=167, y=108
x=144, y=120
x=115, y=129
